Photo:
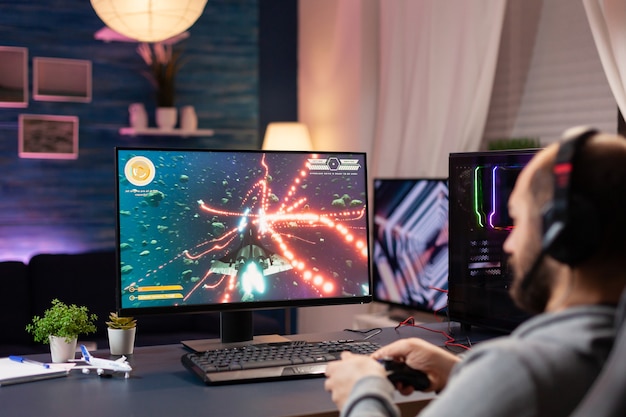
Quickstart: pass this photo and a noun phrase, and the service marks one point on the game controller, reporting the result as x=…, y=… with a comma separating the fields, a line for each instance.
x=400, y=372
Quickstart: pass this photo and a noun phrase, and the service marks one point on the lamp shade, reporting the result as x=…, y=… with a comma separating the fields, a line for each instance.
x=287, y=136
x=149, y=20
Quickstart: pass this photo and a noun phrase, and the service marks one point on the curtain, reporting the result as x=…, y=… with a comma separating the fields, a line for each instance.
x=437, y=65
x=607, y=19
x=407, y=81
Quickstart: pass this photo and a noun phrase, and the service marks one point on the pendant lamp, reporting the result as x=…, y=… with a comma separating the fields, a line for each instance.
x=149, y=20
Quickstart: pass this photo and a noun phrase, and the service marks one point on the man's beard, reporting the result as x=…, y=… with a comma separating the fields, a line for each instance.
x=531, y=291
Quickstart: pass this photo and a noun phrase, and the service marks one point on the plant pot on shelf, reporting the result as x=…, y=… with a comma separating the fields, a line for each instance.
x=166, y=117
x=122, y=341
x=62, y=349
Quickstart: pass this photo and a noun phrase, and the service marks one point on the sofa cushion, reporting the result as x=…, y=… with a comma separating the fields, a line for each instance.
x=15, y=305
x=83, y=279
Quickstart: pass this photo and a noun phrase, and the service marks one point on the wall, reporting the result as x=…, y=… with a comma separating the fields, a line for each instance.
x=337, y=101
x=68, y=205
x=549, y=74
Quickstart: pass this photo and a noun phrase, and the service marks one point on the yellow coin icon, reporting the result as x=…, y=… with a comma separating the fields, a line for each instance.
x=139, y=171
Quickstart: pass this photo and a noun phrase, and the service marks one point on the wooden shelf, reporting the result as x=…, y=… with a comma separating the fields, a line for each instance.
x=154, y=131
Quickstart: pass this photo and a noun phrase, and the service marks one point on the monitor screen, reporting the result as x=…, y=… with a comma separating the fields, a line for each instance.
x=480, y=186
x=216, y=230
x=410, y=243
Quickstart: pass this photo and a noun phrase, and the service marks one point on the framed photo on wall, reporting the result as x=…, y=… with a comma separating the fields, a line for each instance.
x=48, y=137
x=58, y=79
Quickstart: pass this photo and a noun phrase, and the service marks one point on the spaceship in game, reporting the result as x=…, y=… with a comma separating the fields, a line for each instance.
x=252, y=261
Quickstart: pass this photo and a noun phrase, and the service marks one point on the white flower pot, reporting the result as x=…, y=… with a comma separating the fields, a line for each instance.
x=60, y=350
x=188, y=118
x=138, y=116
x=166, y=117
x=122, y=341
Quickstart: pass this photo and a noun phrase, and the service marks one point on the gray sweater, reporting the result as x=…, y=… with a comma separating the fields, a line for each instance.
x=542, y=369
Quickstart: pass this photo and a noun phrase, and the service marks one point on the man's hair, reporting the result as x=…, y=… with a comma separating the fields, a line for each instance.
x=599, y=176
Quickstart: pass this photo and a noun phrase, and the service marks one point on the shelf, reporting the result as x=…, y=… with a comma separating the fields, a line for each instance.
x=108, y=35
x=153, y=131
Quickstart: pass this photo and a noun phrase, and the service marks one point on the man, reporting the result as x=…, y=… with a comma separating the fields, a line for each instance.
x=568, y=256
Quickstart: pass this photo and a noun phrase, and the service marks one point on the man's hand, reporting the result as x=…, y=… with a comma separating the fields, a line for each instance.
x=341, y=375
x=423, y=356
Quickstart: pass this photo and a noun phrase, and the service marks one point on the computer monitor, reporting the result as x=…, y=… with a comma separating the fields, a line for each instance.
x=233, y=231
x=410, y=244
x=480, y=185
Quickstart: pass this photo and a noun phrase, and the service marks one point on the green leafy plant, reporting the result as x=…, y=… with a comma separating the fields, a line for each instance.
x=514, y=143
x=117, y=322
x=62, y=320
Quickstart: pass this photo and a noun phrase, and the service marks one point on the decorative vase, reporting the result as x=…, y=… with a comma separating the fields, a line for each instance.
x=166, y=117
x=188, y=118
x=122, y=341
x=138, y=116
x=60, y=350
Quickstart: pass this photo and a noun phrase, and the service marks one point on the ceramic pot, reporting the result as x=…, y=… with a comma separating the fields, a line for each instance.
x=138, y=116
x=122, y=341
x=188, y=118
x=166, y=117
x=60, y=350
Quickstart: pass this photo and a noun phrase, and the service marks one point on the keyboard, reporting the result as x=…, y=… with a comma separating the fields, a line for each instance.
x=267, y=361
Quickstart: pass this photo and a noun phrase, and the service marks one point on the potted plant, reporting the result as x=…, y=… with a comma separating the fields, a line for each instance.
x=60, y=326
x=121, y=332
x=514, y=143
x=163, y=65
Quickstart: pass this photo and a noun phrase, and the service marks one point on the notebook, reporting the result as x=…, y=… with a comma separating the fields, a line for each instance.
x=12, y=372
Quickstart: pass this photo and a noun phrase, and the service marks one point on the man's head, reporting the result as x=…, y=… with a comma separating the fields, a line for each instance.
x=598, y=178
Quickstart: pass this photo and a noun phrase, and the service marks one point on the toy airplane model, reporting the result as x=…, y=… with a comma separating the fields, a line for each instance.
x=103, y=365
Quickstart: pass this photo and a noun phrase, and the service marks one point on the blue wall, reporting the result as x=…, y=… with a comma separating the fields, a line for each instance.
x=68, y=206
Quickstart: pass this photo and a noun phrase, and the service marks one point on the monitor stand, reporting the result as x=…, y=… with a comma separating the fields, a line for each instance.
x=236, y=329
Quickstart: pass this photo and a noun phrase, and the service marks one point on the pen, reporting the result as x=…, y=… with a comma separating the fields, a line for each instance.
x=25, y=360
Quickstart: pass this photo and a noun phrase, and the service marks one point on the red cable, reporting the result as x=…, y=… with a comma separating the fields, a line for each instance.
x=449, y=342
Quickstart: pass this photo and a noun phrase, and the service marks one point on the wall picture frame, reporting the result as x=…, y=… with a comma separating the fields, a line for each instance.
x=47, y=136
x=13, y=76
x=59, y=79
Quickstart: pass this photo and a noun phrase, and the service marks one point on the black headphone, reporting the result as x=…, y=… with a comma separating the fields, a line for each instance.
x=571, y=227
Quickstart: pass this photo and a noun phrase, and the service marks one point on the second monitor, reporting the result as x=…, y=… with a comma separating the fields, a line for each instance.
x=410, y=243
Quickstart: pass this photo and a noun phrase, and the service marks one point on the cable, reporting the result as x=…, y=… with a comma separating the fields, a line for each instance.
x=377, y=330
x=450, y=342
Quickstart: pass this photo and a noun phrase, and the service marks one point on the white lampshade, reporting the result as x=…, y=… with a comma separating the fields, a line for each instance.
x=287, y=136
x=149, y=20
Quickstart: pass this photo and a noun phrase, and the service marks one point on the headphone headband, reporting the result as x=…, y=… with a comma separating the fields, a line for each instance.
x=570, y=221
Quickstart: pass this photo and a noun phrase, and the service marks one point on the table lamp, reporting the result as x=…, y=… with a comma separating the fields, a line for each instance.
x=287, y=136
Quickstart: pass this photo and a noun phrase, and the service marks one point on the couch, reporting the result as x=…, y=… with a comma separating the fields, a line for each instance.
x=89, y=279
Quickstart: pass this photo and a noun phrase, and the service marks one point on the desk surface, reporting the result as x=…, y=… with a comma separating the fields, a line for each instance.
x=160, y=385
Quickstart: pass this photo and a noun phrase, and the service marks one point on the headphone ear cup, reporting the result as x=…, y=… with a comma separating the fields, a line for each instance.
x=580, y=234
x=553, y=229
